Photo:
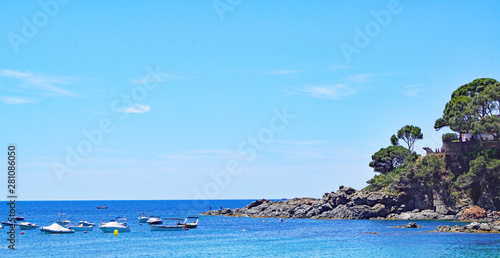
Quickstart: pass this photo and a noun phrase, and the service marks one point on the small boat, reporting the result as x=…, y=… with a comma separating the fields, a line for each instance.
x=86, y=223
x=63, y=221
x=19, y=217
x=113, y=225
x=27, y=225
x=82, y=226
x=172, y=227
x=102, y=207
x=1, y=226
x=154, y=220
x=143, y=217
x=8, y=223
x=56, y=229
x=192, y=224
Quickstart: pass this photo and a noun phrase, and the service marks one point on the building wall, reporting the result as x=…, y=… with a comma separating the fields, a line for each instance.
x=457, y=147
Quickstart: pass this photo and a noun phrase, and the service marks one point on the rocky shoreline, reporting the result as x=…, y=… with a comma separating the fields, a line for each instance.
x=474, y=227
x=348, y=203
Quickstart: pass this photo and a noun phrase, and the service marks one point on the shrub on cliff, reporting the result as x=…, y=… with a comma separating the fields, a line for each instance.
x=450, y=137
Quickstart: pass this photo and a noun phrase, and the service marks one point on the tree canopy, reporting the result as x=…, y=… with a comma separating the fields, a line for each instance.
x=473, y=108
x=387, y=159
x=410, y=134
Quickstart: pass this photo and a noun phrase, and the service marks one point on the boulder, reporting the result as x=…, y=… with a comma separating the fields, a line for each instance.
x=473, y=225
x=410, y=225
x=473, y=213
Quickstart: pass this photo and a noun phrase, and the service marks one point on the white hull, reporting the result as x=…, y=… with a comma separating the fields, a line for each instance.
x=112, y=229
x=83, y=228
x=56, y=229
x=27, y=227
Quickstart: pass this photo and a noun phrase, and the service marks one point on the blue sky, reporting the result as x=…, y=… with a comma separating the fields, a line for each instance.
x=204, y=78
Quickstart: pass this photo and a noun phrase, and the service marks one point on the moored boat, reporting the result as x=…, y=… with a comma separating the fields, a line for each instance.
x=83, y=226
x=27, y=226
x=102, y=207
x=113, y=225
x=154, y=220
x=56, y=229
x=62, y=220
x=19, y=216
x=86, y=223
x=8, y=223
x=170, y=227
x=191, y=222
x=143, y=217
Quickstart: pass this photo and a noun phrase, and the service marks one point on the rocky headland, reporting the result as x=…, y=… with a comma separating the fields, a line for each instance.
x=460, y=181
x=348, y=203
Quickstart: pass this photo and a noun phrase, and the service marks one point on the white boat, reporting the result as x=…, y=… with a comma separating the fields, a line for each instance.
x=27, y=225
x=154, y=220
x=113, y=225
x=8, y=223
x=86, y=223
x=190, y=223
x=19, y=217
x=56, y=229
x=63, y=221
x=143, y=217
x=172, y=227
x=82, y=226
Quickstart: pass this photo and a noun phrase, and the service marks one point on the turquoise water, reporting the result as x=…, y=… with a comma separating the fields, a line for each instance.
x=230, y=236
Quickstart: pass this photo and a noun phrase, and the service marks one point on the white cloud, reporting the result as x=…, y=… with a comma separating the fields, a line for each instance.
x=14, y=100
x=330, y=92
x=42, y=83
x=413, y=90
x=285, y=72
x=138, y=108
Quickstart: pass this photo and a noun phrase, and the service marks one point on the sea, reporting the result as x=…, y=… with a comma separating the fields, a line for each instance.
x=221, y=236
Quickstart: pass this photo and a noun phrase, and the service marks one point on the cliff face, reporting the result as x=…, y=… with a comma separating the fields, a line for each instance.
x=432, y=187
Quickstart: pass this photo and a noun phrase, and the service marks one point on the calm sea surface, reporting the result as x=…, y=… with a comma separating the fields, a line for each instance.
x=230, y=236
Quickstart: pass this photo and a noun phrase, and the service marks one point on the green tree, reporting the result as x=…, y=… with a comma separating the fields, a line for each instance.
x=387, y=159
x=394, y=140
x=410, y=134
x=473, y=108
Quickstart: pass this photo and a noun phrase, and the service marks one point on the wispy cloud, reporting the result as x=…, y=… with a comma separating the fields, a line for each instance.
x=138, y=108
x=330, y=92
x=43, y=84
x=284, y=72
x=413, y=90
x=360, y=78
x=14, y=100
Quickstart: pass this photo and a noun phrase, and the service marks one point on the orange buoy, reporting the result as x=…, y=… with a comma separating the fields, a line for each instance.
x=22, y=233
x=186, y=228
x=84, y=231
x=140, y=223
